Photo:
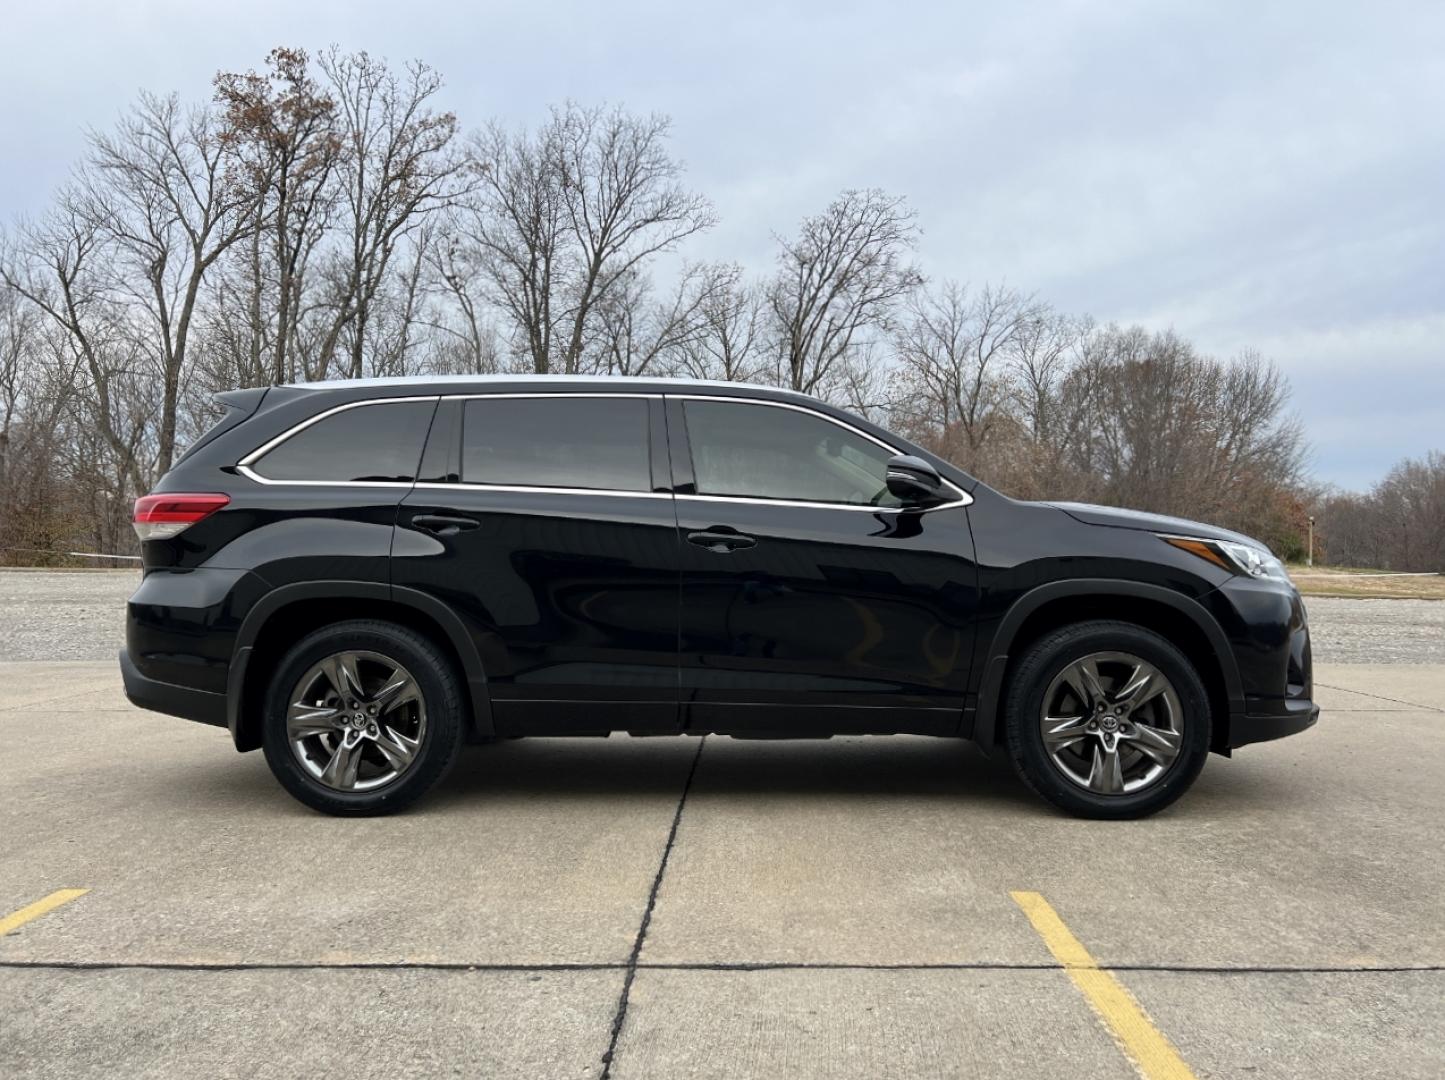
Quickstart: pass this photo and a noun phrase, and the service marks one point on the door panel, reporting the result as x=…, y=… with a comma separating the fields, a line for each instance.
x=571, y=598
x=854, y=620
x=805, y=608
x=570, y=594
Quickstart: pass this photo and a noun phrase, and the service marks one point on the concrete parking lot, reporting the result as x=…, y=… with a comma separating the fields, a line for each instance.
x=705, y=908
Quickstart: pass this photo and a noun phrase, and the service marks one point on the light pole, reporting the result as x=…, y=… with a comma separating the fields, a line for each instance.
x=1310, y=555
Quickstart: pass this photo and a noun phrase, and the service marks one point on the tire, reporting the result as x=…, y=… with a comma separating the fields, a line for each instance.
x=1154, y=754
x=372, y=751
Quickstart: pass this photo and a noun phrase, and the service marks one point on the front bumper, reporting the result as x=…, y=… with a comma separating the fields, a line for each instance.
x=1246, y=728
x=1267, y=630
x=187, y=702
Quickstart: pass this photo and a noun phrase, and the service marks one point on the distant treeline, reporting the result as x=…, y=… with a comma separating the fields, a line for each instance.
x=322, y=218
x=1398, y=525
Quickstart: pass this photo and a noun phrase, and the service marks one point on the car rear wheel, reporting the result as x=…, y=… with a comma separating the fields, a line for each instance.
x=1107, y=720
x=362, y=717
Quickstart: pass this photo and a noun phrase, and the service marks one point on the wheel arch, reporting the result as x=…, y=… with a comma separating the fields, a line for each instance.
x=288, y=613
x=1174, y=616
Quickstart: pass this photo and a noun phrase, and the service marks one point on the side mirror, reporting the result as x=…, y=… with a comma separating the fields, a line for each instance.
x=915, y=482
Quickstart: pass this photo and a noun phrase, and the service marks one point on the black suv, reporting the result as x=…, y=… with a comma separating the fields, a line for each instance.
x=361, y=576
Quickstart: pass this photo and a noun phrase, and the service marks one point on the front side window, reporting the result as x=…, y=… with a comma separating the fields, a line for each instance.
x=599, y=443
x=765, y=452
x=370, y=443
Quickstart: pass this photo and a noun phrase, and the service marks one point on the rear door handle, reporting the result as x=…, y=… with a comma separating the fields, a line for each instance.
x=720, y=542
x=443, y=525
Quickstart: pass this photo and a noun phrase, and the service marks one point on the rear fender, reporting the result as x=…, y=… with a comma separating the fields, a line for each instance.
x=246, y=735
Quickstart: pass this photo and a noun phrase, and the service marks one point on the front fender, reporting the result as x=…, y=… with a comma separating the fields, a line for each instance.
x=988, y=719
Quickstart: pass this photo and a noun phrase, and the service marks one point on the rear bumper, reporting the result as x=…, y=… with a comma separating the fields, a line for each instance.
x=1246, y=728
x=201, y=706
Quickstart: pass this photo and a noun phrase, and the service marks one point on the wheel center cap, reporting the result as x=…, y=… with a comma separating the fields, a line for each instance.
x=358, y=720
x=1108, y=723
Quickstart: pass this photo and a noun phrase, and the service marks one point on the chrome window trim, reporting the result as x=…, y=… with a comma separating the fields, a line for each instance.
x=963, y=497
x=524, y=489
x=244, y=465
x=251, y=474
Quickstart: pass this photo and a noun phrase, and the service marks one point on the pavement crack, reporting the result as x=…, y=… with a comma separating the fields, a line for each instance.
x=43, y=703
x=1380, y=697
x=620, y=1017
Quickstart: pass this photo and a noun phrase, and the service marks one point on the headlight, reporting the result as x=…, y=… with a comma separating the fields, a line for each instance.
x=1235, y=557
x=1254, y=561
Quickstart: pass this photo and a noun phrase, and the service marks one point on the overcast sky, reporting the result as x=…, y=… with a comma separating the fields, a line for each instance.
x=1266, y=175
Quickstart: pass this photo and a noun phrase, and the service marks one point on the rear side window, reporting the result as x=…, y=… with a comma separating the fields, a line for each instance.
x=375, y=443
x=576, y=442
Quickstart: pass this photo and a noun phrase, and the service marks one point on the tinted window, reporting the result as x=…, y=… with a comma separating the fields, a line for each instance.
x=557, y=442
x=369, y=442
x=764, y=452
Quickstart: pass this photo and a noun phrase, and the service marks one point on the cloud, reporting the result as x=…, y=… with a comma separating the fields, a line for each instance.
x=1253, y=175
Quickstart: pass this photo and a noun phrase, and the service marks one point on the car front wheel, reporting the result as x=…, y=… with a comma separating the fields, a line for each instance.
x=362, y=717
x=1107, y=720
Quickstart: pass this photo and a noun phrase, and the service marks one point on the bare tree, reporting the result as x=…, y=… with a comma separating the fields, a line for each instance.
x=465, y=336
x=862, y=381
x=957, y=357
x=18, y=333
x=1150, y=407
x=395, y=169
x=623, y=203
x=1397, y=525
x=156, y=193
x=53, y=266
x=1180, y=433
x=1349, y=532
x=839, y=280
x=729, y=343
x=509, y=237
x=38, y=389
x=1411, y=500
x=565, y=216
x=1054, y=374
x=1047, y=346
x=279, y=134
x=637, y=335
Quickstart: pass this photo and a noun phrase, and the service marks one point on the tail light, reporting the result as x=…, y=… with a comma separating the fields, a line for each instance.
x=159, y=517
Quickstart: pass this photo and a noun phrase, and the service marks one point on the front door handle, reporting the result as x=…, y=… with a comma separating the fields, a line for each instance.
x=720, y=542
x=443, y=525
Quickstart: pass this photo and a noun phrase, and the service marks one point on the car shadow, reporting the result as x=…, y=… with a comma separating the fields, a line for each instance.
x=866, y=766
x=579, y=769
x=913, y=767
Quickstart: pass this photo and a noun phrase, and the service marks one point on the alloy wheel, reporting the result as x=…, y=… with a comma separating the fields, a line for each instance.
x=355, y=721
x=1112, y=723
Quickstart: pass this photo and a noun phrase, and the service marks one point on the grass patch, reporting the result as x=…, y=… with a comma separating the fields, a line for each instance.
x=1366, y=584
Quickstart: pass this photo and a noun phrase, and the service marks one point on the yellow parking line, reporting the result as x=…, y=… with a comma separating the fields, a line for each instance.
x=46, y=904
x=1142, y=1043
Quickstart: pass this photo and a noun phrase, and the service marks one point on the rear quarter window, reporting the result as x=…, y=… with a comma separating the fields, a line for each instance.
x=379, y=443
